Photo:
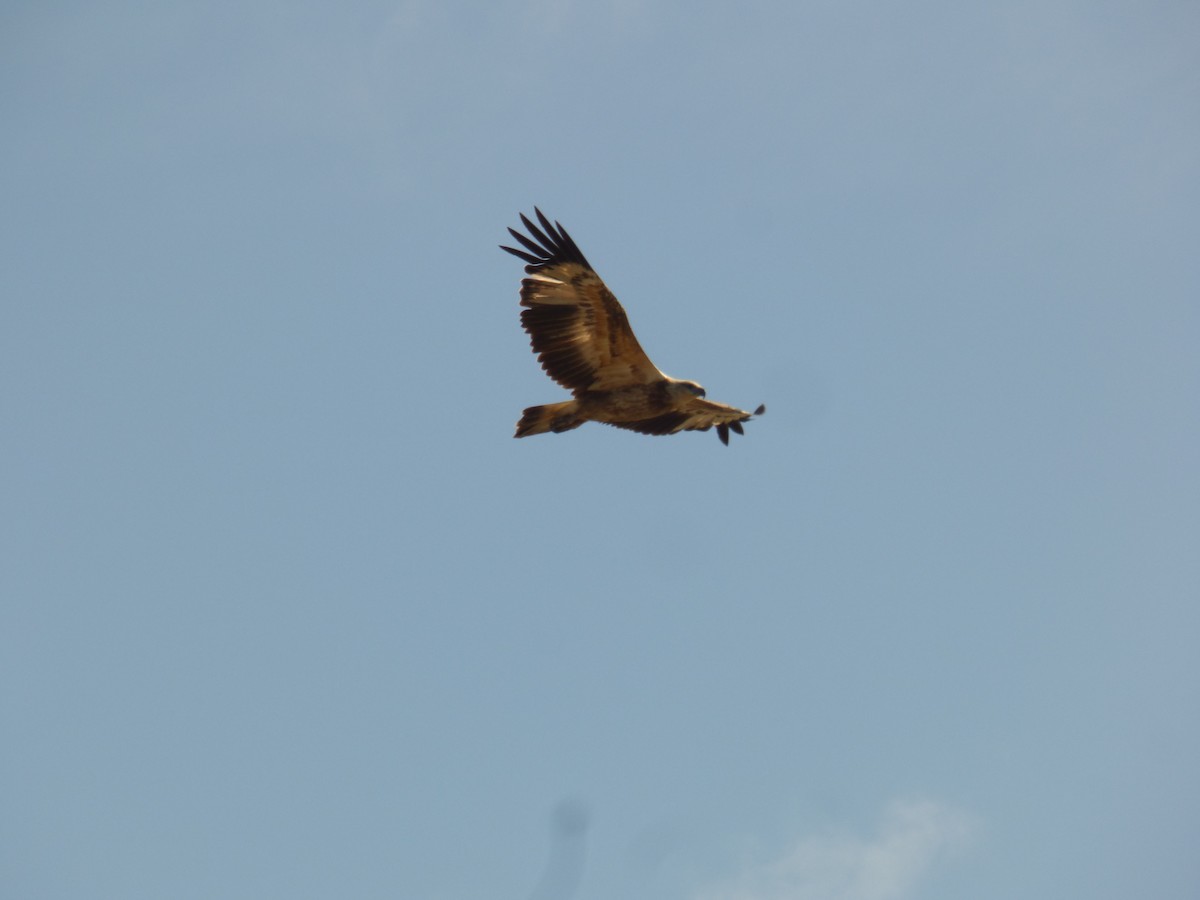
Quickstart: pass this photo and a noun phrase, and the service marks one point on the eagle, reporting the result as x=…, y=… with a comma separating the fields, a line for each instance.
x=582, y=338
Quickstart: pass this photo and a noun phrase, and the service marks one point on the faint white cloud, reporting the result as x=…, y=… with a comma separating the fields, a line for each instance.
x=912, y=835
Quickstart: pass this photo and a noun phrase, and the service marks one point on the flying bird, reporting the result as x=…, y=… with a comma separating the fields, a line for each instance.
x=582, y=338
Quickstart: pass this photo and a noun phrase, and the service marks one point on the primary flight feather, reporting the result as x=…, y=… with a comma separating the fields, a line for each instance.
x=582, y=338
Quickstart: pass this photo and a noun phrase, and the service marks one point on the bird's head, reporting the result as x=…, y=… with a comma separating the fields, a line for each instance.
x=690, y=387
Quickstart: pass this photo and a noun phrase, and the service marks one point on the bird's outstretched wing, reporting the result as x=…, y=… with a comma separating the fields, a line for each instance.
x=578, y=330
x=696, y=414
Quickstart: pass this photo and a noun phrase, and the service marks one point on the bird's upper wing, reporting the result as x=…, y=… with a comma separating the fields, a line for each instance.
x=578, y=330
x=695, y=414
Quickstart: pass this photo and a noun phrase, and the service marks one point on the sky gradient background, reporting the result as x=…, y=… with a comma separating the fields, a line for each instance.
x=286, y=612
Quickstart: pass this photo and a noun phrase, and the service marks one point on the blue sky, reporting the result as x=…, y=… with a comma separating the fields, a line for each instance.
x=287, y=611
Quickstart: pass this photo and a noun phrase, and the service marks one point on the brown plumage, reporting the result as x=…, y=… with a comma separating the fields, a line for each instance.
x=582, y=338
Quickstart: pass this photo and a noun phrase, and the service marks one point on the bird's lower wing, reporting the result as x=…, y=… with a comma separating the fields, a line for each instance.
x=696, y=414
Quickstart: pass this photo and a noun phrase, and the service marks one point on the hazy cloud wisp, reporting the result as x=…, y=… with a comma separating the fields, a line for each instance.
x=913, y=834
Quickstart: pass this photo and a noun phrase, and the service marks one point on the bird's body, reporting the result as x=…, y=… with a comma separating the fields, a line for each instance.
x=582, y=338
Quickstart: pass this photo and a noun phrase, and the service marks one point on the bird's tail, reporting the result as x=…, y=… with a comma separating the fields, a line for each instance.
x=554, y=417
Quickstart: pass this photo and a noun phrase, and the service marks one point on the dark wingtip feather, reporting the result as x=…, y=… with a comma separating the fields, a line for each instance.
x=762, y=408
x=723, y=434
x=736, y=427
x=545, y=222
x=548, y=244
x=521, y=254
